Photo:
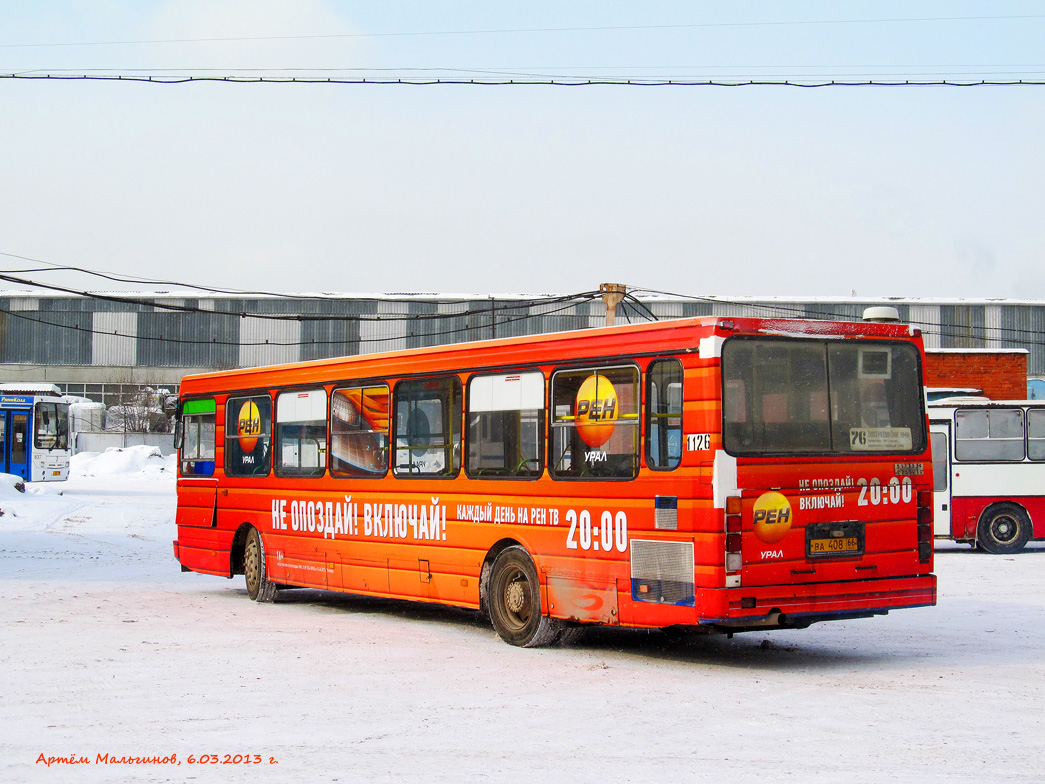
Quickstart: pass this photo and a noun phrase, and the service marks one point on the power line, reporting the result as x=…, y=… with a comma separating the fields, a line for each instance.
x=300, y=317
x=507, y=320
x=417, y=81
x=331, y=297
x=51, y=267
x=1027, y=337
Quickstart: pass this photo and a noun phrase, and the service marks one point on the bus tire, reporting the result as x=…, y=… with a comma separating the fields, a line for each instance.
x=513, y=599
x=1003, y=529
x=259, y=587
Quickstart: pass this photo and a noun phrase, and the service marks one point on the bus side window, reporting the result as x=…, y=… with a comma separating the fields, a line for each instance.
x=359, y=431
x=595, y=423
x=197, y=449
x=301, y=433
x=1036, y=434
x=62, y=413
x=989, y=435
x=940, y=459
x=428, y=427
x=506, y=426
x=664, y=414
x=248, y=435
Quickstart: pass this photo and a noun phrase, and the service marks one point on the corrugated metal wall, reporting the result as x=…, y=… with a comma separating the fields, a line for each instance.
x=1023, y=326
x=58, y=330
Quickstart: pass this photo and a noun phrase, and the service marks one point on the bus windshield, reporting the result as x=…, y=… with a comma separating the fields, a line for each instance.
x=821, y=397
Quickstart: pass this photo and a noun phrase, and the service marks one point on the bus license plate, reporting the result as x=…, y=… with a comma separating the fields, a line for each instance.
x=826, y=540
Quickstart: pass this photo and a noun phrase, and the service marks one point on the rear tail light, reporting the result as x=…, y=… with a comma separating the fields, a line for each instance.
x=734, y=540
x=925, y=526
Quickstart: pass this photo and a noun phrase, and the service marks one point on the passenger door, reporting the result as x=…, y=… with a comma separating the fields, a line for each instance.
x=14, y=433
x=940, y=440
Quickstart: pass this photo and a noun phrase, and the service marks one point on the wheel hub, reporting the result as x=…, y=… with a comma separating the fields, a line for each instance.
x=515, y=596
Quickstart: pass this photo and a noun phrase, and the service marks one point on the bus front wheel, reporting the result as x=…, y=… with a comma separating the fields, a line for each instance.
x=1003, y=529
x=514, y=601
x=259, y=587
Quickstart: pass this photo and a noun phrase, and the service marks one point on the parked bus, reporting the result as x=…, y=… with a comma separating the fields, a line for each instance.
x=34, y=432
x=720, y=474
x=989, y=471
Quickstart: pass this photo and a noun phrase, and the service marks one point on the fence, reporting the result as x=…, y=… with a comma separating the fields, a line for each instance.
x=99, y=442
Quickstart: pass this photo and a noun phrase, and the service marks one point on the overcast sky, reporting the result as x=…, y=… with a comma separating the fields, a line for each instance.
x=753, y=190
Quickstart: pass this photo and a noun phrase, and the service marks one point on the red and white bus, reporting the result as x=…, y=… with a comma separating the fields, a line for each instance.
x=721, y=474
x=989, y=471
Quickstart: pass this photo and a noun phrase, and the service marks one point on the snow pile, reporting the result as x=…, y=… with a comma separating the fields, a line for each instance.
x=12, y=493
x=12, y=490
x=38, y=505
x=131, y=460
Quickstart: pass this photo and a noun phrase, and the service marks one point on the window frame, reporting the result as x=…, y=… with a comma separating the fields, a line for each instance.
x=835, y=424
x=1035, y=413
x=554, y=425
x=453, y=447
x=197, y=411
x=233, y=404
x=361, y=385
x=647, y=419
x=60, y=412
x=278, y=468
x=541, y=428
x=960, y=442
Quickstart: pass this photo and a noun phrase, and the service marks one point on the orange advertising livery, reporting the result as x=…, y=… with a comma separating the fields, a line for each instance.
x=720, y=474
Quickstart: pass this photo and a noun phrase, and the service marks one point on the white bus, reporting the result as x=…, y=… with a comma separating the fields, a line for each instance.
x=988, y=471
x=34, y=432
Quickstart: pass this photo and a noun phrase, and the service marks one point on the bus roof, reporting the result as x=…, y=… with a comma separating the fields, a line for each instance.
x=19, y=388
x=983, y=402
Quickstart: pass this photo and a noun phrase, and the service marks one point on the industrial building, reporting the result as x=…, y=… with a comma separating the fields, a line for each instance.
x=109, y=345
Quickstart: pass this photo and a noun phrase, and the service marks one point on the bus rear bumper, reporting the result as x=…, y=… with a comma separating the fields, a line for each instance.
x=797, y=606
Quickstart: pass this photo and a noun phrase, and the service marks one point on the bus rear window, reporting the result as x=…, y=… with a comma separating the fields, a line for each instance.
x=821, y=397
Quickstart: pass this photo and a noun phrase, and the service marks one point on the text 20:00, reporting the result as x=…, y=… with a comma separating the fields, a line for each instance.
x=611, y=532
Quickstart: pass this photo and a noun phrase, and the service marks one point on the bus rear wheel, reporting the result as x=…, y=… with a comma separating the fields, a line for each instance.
x=514, y=601
x=1003, y=529
x=259, y=587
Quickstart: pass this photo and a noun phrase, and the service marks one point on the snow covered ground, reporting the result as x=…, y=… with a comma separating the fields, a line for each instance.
x=107, y=648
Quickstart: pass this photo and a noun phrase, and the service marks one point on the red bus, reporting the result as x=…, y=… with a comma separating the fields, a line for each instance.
x=721, y=474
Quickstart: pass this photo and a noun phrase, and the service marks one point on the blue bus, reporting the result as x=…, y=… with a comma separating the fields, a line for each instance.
x=34, y=432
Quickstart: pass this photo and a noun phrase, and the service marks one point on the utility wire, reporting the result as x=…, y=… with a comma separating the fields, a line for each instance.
x=508, y=320
x=962, y=331
x=1023, y=337
x=301, y=317
x=808, y=82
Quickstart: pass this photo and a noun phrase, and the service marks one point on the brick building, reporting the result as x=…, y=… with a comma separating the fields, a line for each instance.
x=1000, y=374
